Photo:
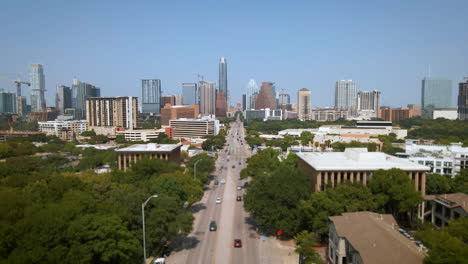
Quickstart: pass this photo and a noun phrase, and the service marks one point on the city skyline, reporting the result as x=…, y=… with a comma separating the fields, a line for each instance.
x=405, y=57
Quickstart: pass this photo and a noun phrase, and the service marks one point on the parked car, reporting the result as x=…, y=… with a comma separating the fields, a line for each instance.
x=213, y=225
x=237, y=243
x=239, y=187
x=223, y=181
x=233, y=166
x=216, y=182
x=160, y=261
x=218, y=200
x=239, y=198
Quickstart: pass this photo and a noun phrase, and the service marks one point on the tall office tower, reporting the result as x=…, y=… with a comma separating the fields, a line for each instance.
x=463, y=100
x=178, y=99
x=168, y=99
x=22, y=107
x=435, y=93
x=151, y=96
x=284, y=99
x=207, y=98
x=345, y=95
x=38, y=102
x=265, y=97
x=368, y=100
x=253, y=101
x=303, y=104
x=63, y=98
x=223, y=83
x=190, y=94
x=244, y=102
x=252, y=88
x=221, y=105
x=7, y=102
x=114, y=112
x=82, y=91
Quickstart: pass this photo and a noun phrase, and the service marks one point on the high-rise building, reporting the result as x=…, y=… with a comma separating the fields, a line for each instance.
x=368, y=100
x=22, y=107
x=394, y=114
x=168, y=99
x=435, y=93
x=178, y=99
x=223, y=82
x=80, y=92
x=265, y=97
x=252, y=88
x=151, y=96
x=463, y=100
x=114, y=112
x=414, y=110
x=7, y=102
x=221, y=104
x=189, y=94
x=284, y=99
x=303, y=104
x=345, y=95
x=207, y=98
x=244, y=102
x=171, y=112
x=63, y=98
x=38, y=102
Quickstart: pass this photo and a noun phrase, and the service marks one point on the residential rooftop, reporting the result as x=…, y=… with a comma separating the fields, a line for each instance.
x=358, y=159
x=451, y=200
x=150, y=147
x=377, y=238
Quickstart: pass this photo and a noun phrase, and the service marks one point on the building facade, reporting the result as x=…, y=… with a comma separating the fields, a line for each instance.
x=63, y=98
x=435, y=93
x=8, y=102
x=168, y=99
x=223, y=79
x=328, y=114
x=64, y=129
x=264, y=114
x=265, y=98
x=171, y=112
x=394, y=114
x=447, y=113
x=252, y=88
x=463, y=100
x=151, y=96
x=128, y=156
x=194, y=128
x=190, y=94
x=37, y=76
x=221, y=104
x=22, y=106
x=207, y=98
x=140, y=134
x=346, y=95
x=368, y=102
x=80, y=92
x=112, y=112
x=303, y=104
x=446, y=207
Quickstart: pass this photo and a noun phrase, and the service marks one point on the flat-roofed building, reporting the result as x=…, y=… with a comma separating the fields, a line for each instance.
x=355, y=165
x=194, y=128
x=328, y=114
x=369, y=238
x=171, y=112
x=140, y=134
x=113, y=112
x=126, y=157
x=445, y=207
x=63, y=129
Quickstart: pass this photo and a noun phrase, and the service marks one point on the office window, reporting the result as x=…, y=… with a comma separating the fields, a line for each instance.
x=438, y=163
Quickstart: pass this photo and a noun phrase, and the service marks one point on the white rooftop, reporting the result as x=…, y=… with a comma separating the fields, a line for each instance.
x=150, y=147
x=357, y=159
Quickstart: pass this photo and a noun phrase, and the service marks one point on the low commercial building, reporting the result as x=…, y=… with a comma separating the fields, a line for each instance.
x=442, y=159
x=140, y=134
x=193, y=128
x=446, y=207
x=447, y=113
x=264, y=114
x=130, y=155
x=394, y=114
x=369, y=238
x=172, y=112
x=355, y=165
x=63, y=129
x=328, y=114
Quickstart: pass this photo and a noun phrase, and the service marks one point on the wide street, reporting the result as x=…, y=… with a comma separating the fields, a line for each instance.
x=205, y=246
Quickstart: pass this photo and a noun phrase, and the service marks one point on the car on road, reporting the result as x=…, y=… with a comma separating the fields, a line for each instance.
x=213, y=225
x=218, y=200
x=237, y=243
x=223, y=181
x=239, y=198
x=246, y=184
x=216, y=182
x=240, y=163
x=160, y=261
x=239, y=187
x=227, y=160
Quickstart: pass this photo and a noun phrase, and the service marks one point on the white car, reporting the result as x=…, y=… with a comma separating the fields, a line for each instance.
x=223, y=181
x=218, y=200
x=238, y=188
x=160, y=261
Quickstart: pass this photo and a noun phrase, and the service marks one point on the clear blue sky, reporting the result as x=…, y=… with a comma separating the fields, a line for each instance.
x=385, y=45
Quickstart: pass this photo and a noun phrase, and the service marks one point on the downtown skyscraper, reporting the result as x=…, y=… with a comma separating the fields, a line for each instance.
x=303, y=104
x=63, y=98
x=207, y=98
x=36, y=74
x=223, y=82
x=435, y=93
x=346, y=95
x=189, y=94
x=80, y=92
x=151, y=96
x=463, y=100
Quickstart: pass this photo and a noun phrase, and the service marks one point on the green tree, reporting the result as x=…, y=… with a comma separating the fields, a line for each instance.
x=314, y=212
x=120, y=139
x=395, y=191
x=305, y=242
x=306, y=137
x=460, y=182
x=437, y=184
x=265, y=161
x=89, y=133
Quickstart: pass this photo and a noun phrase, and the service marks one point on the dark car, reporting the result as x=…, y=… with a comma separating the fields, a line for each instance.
x=240, y=163
x=237, y=243
x=216, y=182
x=239, y=198
x=246, y=184
x=233, y=166
x=213, y=226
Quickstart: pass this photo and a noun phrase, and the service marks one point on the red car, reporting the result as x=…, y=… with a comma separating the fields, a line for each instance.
x=237, y=243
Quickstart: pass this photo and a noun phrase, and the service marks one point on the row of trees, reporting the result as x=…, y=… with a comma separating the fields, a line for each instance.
x=52, y=215
x=214, y=142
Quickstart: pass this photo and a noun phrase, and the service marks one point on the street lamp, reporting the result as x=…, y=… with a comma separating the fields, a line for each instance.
x=195, y=168
x=143, y=221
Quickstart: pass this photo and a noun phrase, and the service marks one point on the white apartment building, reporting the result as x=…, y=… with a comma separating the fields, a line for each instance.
x=188, y=128
x=140, y=134
x=63, y=129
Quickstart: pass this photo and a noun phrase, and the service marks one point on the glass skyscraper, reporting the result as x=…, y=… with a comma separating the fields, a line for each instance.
x=63, y=98
x=223, y=83
x=435, y=93
x=189, y=94
x=151, y=96
x=82, y=91
x=346, y=95
x=38, y=102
